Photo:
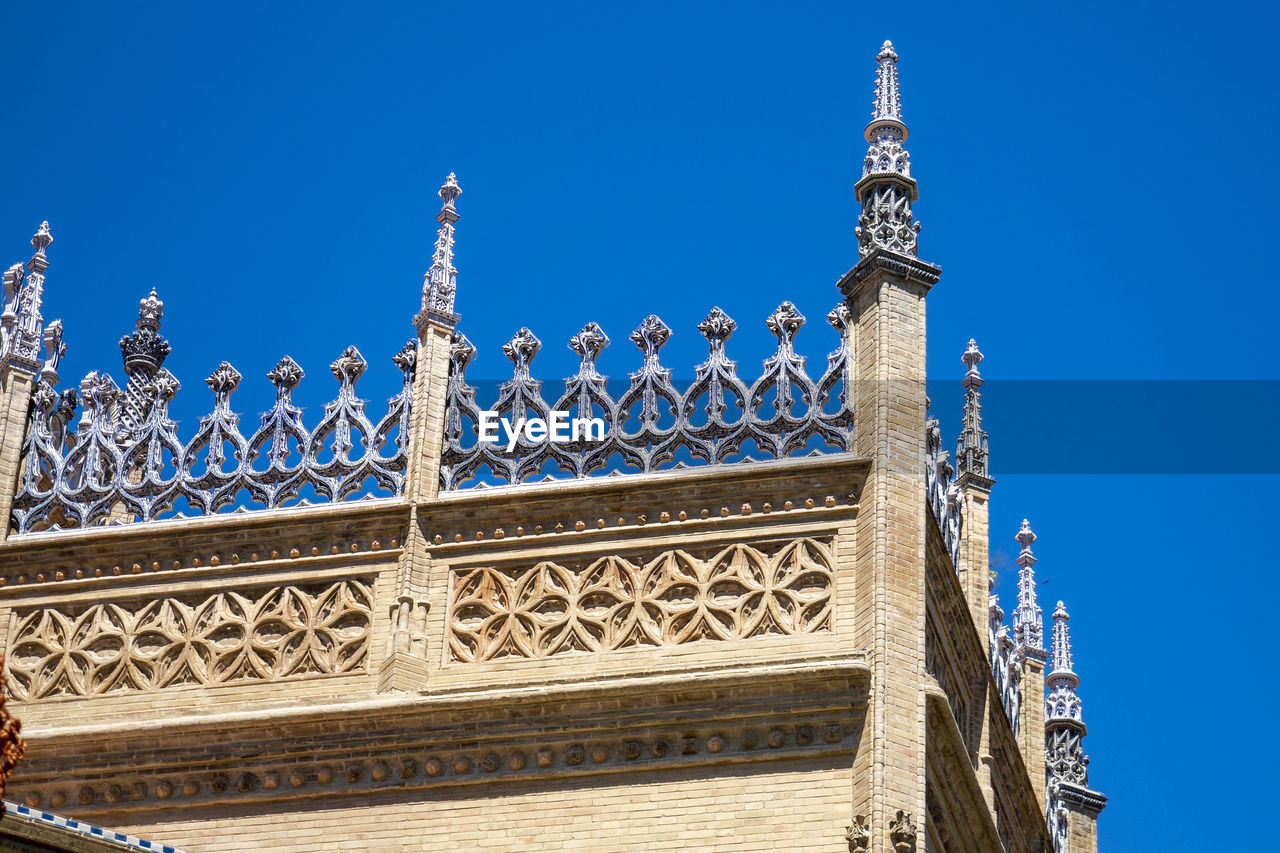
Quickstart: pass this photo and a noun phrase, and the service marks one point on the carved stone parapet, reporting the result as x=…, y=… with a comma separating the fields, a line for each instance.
x=615, y=602
x=223, y=638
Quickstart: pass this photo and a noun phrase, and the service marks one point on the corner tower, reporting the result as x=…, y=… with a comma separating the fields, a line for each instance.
x=1072, y=807
x=885, y=294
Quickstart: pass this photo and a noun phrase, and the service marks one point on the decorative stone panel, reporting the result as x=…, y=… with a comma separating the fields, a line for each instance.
x=640, y=600
x=223, y=638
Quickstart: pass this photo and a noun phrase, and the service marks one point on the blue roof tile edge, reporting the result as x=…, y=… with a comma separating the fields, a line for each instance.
x=131, y=842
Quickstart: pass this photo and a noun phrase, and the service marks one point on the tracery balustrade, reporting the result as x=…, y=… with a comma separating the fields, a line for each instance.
x=654, y=424
x=943, y=494
x=105, y=471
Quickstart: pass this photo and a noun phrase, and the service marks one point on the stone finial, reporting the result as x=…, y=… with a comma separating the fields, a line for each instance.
x=1026, y=538
x=150, y=312
x=972, y=358
x=145, y=349
x=1028, y=625
x=971, y=447
x=449, y=192
x=439, y=285
x=40, y=241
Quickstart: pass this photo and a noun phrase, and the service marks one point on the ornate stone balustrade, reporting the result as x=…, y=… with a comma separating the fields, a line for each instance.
x=942, y=491
x=125, y=461
x=653, y=424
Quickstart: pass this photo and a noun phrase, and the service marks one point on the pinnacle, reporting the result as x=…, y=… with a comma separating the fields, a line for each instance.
x=887, y=52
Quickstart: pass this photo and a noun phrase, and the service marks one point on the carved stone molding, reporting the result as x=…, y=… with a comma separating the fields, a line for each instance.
x=444, y=765
x=153, y=555
x=661, y=599
x=223, y=638
x=694, y=512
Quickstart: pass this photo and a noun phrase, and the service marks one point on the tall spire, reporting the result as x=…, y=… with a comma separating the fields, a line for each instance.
x=888, y=102
x=1063, y=649
x=440, y=283
x=887, y=189
x=971, y=447
x=1066, y=764
x=1028, y=627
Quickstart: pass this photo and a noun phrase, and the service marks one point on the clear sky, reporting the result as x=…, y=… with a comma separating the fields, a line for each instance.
x=1096, y=181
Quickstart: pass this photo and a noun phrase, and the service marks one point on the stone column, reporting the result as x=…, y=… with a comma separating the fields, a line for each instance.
x=406, y=665
x=975, y=552
x=886, y=294
x=1031, y=718
x=16, y=383
x=1081, y=807
x=974, y=481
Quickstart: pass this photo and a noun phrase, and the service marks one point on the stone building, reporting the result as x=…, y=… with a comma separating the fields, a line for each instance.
x=755, y=614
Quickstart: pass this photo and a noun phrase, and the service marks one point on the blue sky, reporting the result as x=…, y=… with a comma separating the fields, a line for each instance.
x=1095, y=182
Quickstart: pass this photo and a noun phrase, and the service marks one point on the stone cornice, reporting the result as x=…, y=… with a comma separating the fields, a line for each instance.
x=220, y=524
x=1081, y=799
x=901, y=266
x=294, y=540
x=969, y=481
x=695, y=716
x=410, y=709
x=723, y=476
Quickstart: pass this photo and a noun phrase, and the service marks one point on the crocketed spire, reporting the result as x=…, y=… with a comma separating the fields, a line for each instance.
x=440, y=283
x=971, y=447
x=1061, y=683
x=1028, y=627
x=886, y=190
x=888, y=103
